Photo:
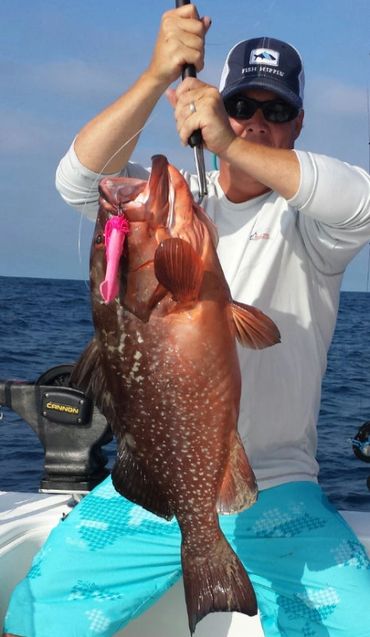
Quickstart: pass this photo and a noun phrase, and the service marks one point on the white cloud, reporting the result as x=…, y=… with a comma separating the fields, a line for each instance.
x=329, y=94
x=75, y=77
x=24, y=133
x=32, y=115
x=336, y=119
x=70, y=78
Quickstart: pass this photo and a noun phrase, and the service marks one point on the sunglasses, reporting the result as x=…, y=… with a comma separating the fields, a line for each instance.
x=276, y=111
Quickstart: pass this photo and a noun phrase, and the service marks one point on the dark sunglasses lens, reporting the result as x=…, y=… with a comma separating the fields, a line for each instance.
x=279, y=112
x=276, y=111
x=240, y=107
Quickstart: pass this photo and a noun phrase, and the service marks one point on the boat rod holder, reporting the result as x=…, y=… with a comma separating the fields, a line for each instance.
x=361, y=445
x=70, y=427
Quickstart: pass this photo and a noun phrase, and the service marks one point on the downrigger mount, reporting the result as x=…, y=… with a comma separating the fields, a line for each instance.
x=361, y=445
x=69, y=426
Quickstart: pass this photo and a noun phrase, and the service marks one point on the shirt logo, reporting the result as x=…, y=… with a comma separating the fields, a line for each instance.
x=264, y=56
x=257, y=236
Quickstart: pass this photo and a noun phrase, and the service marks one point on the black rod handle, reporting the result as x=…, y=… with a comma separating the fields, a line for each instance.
x=188, y=70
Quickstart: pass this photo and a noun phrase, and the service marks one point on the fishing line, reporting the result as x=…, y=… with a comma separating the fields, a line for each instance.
x=368, y=159
x=361, y=401
x=368, y=126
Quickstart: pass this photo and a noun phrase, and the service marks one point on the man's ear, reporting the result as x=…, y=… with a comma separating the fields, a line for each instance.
x=298, y=124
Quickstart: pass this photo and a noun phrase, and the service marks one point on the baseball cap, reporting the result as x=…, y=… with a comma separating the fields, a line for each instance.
x=264, y=63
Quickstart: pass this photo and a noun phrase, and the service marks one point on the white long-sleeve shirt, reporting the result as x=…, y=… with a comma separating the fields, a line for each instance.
x=287, y=258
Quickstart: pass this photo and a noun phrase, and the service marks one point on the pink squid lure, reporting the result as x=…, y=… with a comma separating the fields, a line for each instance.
x=116, y=230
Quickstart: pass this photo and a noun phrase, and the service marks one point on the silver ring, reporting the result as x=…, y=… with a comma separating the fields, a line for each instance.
x=192, y=107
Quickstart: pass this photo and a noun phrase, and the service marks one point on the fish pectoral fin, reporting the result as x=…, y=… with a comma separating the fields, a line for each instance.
x=216, y=581
x=179, y=269
x=239, y=487
x=132, y=481
x=253, y=328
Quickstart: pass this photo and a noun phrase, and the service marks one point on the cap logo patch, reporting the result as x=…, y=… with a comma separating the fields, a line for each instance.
x=264, y=56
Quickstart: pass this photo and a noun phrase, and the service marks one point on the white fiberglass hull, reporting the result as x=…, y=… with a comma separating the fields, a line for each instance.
x=26, y=520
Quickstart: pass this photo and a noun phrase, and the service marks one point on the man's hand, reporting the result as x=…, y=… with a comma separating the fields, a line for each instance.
x=180, y=41
x=209, y=115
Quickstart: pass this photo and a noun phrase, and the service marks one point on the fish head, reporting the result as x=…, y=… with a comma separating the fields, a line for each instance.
x=135, y=217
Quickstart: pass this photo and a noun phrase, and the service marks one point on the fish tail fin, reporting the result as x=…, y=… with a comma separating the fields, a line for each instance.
x=217, y=582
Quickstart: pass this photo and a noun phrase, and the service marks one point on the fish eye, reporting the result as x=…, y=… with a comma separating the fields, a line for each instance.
x=99, y=240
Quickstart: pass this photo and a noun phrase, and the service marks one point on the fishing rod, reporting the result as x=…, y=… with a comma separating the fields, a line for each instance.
x=188, y=70
x=195, y=140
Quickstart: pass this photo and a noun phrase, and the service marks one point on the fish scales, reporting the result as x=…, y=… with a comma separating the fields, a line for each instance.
x=163, y=368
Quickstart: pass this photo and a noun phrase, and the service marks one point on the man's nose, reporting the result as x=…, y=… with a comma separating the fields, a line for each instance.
x=257, y=121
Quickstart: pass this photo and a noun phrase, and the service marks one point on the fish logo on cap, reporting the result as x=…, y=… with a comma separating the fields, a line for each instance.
x=264, y=56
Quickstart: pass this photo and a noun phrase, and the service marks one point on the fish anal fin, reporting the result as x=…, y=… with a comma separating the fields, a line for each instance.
x=179, y=269
x=132, y=481
x=254, y=329
x=239, y=487
x=216, y=582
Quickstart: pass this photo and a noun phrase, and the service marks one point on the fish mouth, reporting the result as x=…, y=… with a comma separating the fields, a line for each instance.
x=115, y=192
x=139, y=199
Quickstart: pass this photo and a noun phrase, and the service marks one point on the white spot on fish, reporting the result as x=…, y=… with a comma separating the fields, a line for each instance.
x=130, y=440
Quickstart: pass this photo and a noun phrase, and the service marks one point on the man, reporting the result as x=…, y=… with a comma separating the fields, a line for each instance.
x=289, y=222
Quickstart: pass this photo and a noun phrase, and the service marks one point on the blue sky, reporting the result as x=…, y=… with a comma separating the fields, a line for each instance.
x=63, y=61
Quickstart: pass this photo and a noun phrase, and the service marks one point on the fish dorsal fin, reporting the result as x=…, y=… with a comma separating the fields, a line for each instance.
x=179, y=269
x=253, y=328
x=239, y=488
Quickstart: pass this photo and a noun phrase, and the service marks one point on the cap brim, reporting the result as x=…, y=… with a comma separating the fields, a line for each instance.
x=268, y=84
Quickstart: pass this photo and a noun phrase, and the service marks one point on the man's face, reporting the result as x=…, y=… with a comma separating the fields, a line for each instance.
x=257, y=129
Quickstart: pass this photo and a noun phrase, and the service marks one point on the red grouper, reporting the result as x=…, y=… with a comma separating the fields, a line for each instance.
x=163, y=368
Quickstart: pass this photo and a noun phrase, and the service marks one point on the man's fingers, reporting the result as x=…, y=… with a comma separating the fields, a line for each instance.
x=171, y=96
x=206, y=20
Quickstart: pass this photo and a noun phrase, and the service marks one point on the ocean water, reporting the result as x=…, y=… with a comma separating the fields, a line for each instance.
x=47, y=322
